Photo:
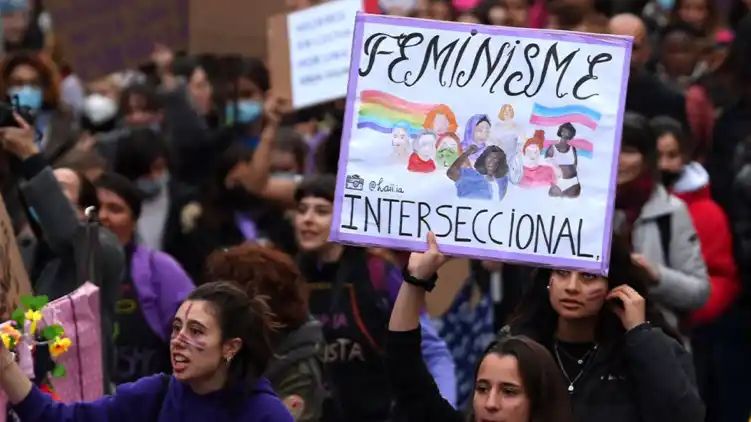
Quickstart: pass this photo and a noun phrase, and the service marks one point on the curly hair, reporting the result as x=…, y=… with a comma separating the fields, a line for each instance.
x=263, y=271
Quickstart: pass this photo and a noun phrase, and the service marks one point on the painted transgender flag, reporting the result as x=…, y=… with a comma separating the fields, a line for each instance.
x=584, y=148
x=556, y=116
x=382, y=112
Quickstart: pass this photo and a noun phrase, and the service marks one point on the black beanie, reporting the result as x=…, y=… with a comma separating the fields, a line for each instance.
x=124, y=188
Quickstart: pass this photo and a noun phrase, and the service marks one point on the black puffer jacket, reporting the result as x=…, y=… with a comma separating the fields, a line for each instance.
x=645, y=377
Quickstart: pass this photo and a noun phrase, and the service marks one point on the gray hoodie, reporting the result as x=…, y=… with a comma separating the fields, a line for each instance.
x=683, y=283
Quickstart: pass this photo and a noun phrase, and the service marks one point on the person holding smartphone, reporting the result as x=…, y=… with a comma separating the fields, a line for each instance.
x=619, y=360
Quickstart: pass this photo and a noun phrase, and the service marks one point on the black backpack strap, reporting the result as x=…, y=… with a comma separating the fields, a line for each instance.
x=665, y=228
x=88, y=269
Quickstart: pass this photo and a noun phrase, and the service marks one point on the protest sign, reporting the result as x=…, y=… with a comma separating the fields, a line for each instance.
x=101, y=37
x=309, y=52
x=78, y=313
x=231, y=26
x=14, y=281
x=504, y=142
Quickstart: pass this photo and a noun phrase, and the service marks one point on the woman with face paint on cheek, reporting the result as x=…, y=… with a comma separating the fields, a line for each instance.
x=219, y=349
x=619, y=360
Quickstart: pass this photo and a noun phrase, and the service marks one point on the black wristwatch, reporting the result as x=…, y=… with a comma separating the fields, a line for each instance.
x=428, y=284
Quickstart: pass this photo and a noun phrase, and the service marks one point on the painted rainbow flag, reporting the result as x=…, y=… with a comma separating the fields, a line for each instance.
x=556, y=116
x=584, y=148
x=382, y=112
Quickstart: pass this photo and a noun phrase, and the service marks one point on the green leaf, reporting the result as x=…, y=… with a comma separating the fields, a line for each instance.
x=18, y=317
x=12, y=343
x=59, y=371
x=50, y=332
x=27, y=301
x=39, y=302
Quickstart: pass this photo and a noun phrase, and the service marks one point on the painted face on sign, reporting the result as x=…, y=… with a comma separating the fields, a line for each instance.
x=448, y=152
x=441, y=124
x=532, y=155
x=482, y=132
x=399, y=137
x=426, y=147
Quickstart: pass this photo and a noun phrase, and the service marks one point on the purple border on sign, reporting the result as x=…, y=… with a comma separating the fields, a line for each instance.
x=354, y=67
x=607, y=241
x=601, y=266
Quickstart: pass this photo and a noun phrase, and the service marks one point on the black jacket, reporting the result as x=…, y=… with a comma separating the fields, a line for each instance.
x=417, y=396
x=646, y=376
x=58, y=262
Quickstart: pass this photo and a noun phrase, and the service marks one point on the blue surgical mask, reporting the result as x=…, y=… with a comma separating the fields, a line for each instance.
x=248, y=111
x=28, y=96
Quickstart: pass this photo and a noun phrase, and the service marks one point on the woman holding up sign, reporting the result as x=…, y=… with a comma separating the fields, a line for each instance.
x=617, y=365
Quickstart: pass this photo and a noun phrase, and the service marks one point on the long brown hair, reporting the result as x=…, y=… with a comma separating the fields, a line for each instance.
x=541, y=378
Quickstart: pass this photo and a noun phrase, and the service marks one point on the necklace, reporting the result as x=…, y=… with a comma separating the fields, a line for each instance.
x=580, y=361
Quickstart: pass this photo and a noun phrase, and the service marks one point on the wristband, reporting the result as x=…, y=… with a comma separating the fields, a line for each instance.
x=427, y=284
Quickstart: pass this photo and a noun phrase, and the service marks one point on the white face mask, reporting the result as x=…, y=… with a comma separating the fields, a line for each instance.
x=99, y=108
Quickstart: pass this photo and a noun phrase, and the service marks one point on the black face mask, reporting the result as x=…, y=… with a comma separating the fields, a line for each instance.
x=670, y=177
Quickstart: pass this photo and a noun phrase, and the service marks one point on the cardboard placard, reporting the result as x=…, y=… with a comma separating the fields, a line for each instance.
x=101, y=37
x=231, y=26
x=310, y=51
x=502, y=141
x=14, y=281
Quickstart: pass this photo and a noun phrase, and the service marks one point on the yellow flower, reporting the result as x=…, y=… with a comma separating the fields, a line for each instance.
x=6, y=340
x=10, y=332
x=34, y=317
x=59, y=346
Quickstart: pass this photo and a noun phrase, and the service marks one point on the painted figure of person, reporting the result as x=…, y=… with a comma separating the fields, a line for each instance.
x=476, y=133
x=564, y=155
x=440, y=120
x=448, y=149
x=422, y=159
x=400, y=142
x=487, y=179
x=537, y=171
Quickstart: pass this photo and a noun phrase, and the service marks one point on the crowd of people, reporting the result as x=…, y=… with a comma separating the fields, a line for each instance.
x=222, y=297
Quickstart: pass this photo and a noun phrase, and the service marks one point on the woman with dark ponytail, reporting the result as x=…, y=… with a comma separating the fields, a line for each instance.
x=220, y=346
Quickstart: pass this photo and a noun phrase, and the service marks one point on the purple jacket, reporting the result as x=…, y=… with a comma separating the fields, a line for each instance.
x=145, y=401
x=162, y=285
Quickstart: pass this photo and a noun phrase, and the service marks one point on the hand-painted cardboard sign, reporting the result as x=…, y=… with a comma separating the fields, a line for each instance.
x=503, y=142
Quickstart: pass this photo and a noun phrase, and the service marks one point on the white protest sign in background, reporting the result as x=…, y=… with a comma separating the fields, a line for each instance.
x=320, y=44
x=504, y=142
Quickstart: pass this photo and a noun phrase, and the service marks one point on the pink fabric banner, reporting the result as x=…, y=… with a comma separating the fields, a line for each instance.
x=78, y=313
